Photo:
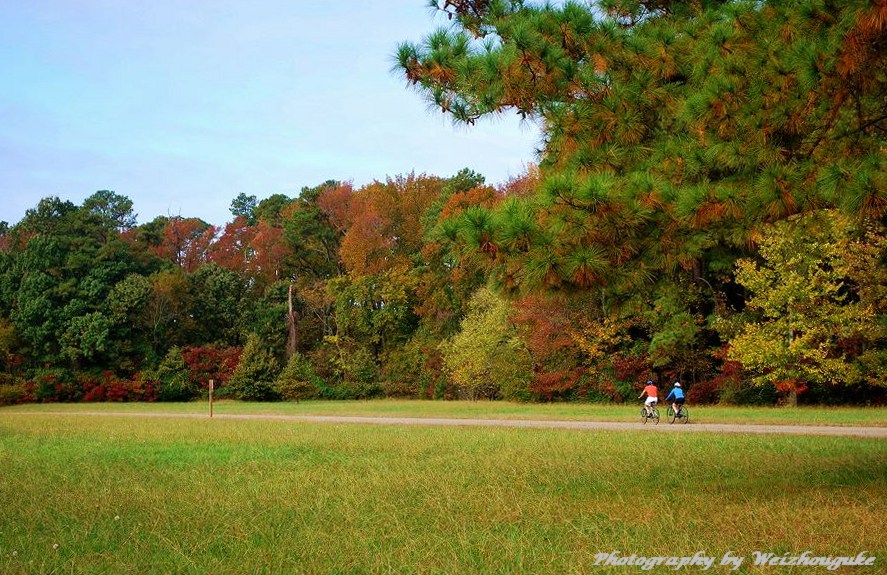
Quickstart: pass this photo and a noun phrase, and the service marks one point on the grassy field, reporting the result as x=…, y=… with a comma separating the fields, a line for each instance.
x=843, y=416
x=169, y=495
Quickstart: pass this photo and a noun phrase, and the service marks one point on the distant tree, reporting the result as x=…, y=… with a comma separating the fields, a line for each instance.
x=297, y=380
x=166, y=310
x=173, y=379
x=233, y=250
x=113, y=210
x=313, y=227
x=244, y=206
x=375, y=309
x=216, y=297
x=132, y=331
x=150, y=234
x=254, y=377
x=186, y=242
x=385, y=223
x=269, y=253
x=271, y=209
x=487, y=357
x=60, y=265
x=810, y=314
x=86, y=337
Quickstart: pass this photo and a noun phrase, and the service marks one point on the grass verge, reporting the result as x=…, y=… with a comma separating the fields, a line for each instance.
x=118, y=495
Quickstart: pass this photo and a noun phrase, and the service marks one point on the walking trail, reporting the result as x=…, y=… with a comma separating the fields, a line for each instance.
x=664, y=427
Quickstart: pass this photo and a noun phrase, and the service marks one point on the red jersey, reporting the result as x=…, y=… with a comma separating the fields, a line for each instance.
x=651, y=391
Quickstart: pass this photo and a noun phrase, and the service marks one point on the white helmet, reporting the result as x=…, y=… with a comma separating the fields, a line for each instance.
x=677, y=384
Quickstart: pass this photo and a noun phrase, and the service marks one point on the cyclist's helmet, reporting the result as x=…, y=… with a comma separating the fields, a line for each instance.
x=649, y=382
x=677, y=384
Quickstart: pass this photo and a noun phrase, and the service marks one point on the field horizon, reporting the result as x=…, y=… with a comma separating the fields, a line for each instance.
x=626, y=412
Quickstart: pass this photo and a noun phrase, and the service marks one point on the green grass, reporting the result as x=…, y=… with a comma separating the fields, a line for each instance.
x=170, y=495
x=843, y=416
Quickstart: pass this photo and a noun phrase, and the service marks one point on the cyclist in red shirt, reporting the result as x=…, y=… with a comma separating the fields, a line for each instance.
x=652, y=396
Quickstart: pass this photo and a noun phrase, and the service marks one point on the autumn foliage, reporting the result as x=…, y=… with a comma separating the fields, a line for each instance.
x=709, y=206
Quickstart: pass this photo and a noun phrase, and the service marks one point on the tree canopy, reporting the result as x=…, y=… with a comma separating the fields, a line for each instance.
x=672, y=130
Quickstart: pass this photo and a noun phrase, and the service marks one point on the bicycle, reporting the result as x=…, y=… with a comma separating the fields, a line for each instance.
x=683, y=414
x=652, y=413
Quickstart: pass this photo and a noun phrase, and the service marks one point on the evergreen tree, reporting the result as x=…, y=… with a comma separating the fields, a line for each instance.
x=298, y=380
x=671, y=129
x=253, y=379
x=172, y=378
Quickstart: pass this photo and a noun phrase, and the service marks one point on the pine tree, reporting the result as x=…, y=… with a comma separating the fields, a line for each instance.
x=253, y=379
x=298, y=380
x=671, y=129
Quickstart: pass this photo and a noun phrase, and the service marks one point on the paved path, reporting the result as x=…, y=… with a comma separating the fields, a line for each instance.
x=663, y=427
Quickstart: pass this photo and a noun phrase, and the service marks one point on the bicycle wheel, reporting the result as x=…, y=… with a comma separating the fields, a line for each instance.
x=655, y=415
x=671, y=414
x=685, y=415
x=643, y=416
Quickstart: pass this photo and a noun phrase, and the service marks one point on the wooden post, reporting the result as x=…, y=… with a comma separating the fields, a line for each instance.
x=211, y=398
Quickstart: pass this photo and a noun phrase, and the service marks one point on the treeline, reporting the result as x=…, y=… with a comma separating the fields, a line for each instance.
x=394, y=290
x=709, y=206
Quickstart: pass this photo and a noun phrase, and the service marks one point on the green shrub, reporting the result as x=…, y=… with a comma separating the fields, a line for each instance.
x=12, y=393
x=346, y=370
x=298, y=380
x=254, y=377
x=173, y=378
x=737, y=392
x=403, y=374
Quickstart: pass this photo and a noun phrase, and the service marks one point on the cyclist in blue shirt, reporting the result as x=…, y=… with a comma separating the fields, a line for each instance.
x=676, y=394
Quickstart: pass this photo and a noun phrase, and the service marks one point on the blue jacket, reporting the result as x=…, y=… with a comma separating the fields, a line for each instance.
x=676, y=393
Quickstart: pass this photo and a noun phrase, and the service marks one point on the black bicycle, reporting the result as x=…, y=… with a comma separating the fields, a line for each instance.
x=682, y=415
x=648, y=414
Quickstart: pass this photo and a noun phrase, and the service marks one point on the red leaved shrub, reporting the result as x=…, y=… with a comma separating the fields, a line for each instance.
x=555, y=385
x=632, y=368
x=106, y=386
x=210, y=362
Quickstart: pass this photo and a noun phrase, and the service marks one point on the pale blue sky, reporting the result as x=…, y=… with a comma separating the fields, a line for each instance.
x=182, y=105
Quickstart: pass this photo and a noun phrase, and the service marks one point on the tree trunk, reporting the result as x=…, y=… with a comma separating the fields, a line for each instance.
x=292, y=318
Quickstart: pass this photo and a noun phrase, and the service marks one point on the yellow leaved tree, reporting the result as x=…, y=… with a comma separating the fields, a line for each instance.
x=817, y=293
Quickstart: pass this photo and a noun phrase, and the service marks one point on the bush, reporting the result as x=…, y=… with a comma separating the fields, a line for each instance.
x=738, y=392
x=254, y=377
x=403, y=374
x=173, y=379
x=515, y=371
x=105, y=386
x=709, y=391
x=358, y=375
x=558, y=385
x=142, y=388
x=346, y=370
x=605, y=389
x=298, y=381
x=416, y=370
x=12, y=393
x=211, y=362
x=53, y=385
x=323, y=362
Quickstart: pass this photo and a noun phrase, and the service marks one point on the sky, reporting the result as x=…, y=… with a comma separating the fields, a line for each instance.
x=181, y=105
